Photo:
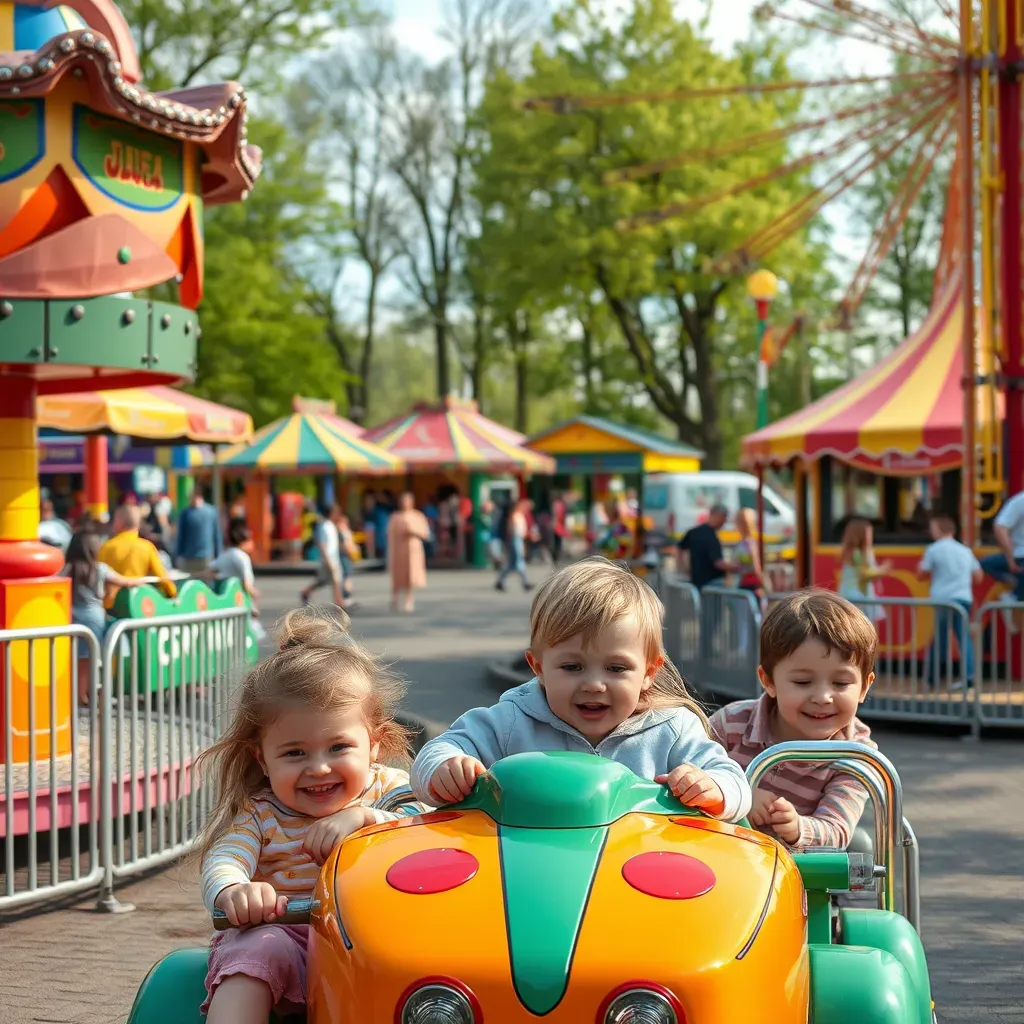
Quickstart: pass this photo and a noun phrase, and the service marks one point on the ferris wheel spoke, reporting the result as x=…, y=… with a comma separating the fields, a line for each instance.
x=897, y=212
x=832, y=150
x=919, y=49
x=772, y=236
x=746, y=143
x=905, y=29
x=567, y=104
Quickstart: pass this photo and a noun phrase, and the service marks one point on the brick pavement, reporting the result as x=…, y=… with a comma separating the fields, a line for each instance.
x=70, y=965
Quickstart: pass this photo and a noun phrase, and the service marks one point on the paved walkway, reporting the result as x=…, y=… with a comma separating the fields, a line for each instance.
x=70, y=965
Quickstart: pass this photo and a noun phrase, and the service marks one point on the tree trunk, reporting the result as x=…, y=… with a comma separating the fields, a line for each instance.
x=706, y=385
x=518, y=338
x=588, y=367
x=441, y=354
x=476, y=376
x=361, y=412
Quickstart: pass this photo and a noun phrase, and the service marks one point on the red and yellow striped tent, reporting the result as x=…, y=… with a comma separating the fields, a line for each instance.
x=905, y=414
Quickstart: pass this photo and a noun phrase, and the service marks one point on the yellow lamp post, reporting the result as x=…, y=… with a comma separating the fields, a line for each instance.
x=762, y=287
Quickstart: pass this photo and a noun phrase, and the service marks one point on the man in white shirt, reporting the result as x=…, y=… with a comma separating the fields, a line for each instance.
x=953, y=571
x=328, y=543
x=1008, y=566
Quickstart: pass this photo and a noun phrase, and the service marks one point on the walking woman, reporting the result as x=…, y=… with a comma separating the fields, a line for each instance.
x=408, y=529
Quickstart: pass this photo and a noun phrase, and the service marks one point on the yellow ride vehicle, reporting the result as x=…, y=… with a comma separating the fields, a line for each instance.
x=568, y=890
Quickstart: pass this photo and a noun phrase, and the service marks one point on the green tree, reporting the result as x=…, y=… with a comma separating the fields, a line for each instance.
x=661, y=286
x=261, y=342
x=183, y=42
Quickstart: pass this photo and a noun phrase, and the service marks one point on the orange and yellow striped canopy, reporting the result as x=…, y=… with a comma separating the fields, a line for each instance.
x=904, y=413
x=153, y=414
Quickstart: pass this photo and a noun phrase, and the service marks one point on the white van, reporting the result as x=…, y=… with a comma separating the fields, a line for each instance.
x=675, y=502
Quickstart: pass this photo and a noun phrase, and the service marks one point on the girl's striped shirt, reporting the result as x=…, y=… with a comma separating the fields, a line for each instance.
x=829, y=803
x=265, y=841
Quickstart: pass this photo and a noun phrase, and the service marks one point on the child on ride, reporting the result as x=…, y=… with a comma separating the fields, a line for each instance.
x=817, y=665
x=297, y=770
x=603, y=686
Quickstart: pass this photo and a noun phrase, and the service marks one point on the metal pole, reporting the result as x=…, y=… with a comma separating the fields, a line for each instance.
x=1012, y=265
x=968, y=473
x=762, y=365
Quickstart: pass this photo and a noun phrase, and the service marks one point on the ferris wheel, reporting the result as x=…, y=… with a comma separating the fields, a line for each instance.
x=953, y=88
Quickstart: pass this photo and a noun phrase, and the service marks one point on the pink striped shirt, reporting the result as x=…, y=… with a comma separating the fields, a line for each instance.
x=829, y=803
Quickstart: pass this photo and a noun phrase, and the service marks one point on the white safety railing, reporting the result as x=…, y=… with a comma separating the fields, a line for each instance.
x=93, y=794
x=999, y=665
x=51, y=753
x=925, y=660
x=173, y=678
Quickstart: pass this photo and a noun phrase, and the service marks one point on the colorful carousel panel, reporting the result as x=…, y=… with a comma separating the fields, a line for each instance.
x=155, y=413
x=455, y=435
x=308, y=443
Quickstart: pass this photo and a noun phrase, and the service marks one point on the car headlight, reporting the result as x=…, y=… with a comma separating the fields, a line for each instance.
x=438, y=1003
x=641, y=1006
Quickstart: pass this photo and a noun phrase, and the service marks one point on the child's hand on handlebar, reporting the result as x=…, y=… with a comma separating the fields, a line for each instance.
x=251, y=903
x=326, y=833
x=454, y=779
x=694, y=787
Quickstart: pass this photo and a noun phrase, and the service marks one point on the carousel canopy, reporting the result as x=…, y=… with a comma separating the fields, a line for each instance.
x=153, y=414
x=588, y=444
x=309, y=443
x=903, y=414
x=454, y=435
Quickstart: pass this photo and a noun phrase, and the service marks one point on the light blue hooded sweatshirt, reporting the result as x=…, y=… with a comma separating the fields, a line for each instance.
x=648, y=744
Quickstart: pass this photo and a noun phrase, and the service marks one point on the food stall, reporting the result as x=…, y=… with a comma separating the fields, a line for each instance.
x=598, y=450
x=453, y=448
x=302, y=444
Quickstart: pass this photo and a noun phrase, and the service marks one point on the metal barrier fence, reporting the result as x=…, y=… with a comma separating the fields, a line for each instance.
x=999, y=667
x=730, y=630
x=51, y=759
x=179, y=669
x=933, y=664
x=94, y=794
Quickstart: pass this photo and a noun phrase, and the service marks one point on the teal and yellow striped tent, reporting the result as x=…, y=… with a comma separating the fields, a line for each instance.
x=309, y=443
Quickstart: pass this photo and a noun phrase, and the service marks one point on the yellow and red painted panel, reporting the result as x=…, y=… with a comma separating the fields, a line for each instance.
x=29, y=604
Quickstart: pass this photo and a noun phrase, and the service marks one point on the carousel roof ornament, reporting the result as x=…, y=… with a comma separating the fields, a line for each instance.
x=42, y=42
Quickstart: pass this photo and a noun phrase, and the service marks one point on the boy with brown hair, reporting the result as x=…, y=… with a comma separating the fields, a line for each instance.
x=817, y=665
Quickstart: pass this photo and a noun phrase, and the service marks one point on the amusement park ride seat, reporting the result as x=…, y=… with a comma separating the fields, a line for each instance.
x=512, y=905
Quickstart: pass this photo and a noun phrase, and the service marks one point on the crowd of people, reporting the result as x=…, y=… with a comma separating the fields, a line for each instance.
x=139, y=545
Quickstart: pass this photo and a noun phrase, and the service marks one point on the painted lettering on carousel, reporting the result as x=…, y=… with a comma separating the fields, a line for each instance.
x=22, y=137
x=135, y=167
x=139, y=166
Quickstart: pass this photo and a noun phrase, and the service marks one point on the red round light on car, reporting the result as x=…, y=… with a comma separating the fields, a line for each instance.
x=432, y=871
x=668, y=876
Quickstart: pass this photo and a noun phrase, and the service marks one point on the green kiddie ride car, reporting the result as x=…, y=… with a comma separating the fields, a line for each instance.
x=567, y=890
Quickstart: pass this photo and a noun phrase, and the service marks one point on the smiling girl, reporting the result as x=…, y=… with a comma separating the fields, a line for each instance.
x=297, y=771
x=603, y=685
x=817, y=665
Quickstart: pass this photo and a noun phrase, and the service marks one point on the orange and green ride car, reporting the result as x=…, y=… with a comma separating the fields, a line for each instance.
x=568, y=890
